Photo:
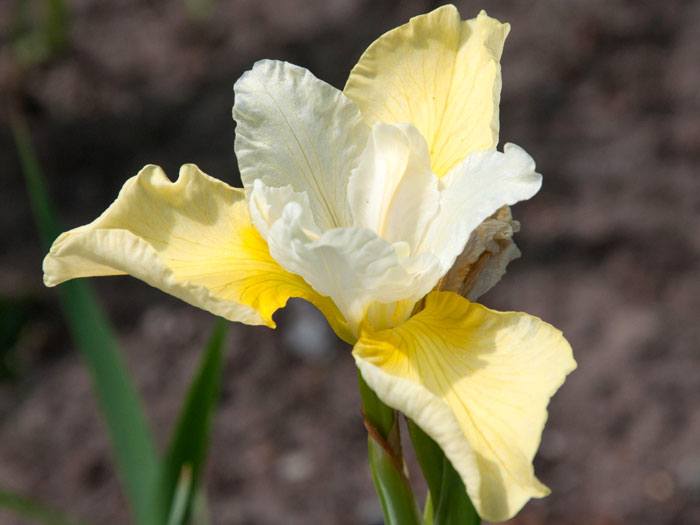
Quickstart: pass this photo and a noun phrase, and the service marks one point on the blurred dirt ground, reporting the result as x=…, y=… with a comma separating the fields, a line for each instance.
x=604, y=94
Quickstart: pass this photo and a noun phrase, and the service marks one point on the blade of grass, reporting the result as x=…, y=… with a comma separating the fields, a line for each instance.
x=32, y=510
x=132, y=441
x=183, y=491
x=36, y=187
x=190, y=439
x=449, y=503
x=200, y=509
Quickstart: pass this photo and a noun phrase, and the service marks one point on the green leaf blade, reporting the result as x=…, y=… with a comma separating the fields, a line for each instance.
x=190, y=439
x=132, y=442
x=430, y=458
x=449, y=501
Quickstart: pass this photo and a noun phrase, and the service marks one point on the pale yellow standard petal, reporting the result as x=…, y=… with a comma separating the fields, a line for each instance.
x=193, y=239
x=478, y=382
x=442, y=75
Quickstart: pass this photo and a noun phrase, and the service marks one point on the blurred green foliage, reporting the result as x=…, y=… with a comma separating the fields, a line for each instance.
x=31, y=510
x=15, y=315
x=199, y=10
x=131, y=438
x=160, y=491
x=40, y=30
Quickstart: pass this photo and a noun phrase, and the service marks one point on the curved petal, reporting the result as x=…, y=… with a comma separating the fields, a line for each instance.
x=473, y=191
x=294, y=129
x=192, y=239
x=440, y=74
x=353, y=266
x=393, y=191
x=478, y=382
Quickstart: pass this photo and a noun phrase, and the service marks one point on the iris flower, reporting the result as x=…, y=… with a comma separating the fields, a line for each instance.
x=361, y=201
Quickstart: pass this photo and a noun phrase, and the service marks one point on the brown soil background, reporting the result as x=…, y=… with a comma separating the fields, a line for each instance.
x=604, y=94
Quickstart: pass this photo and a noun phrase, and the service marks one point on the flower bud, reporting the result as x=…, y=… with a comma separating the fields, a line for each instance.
x=487, y=253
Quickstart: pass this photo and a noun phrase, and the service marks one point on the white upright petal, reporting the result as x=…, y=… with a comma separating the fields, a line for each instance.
x=353, y=266
x=294, y=129
x=393, y=191
x=474, y=190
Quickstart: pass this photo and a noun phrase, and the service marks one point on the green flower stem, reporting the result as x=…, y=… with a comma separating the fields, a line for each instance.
x=386, y=460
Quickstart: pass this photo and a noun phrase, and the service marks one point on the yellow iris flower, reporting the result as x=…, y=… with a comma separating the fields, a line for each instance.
x=360, y=201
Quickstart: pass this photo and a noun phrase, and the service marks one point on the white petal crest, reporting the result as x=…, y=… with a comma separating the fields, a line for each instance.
x=474, y=190
x=393, y=191
x=294, y=129
x=352, y=265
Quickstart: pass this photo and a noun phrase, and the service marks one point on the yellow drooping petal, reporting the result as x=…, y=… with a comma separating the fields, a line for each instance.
x=193, y=239
x=478, y=382
x=442, y=75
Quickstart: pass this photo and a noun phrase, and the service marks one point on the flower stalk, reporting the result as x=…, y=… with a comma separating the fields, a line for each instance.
x=386, y=460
